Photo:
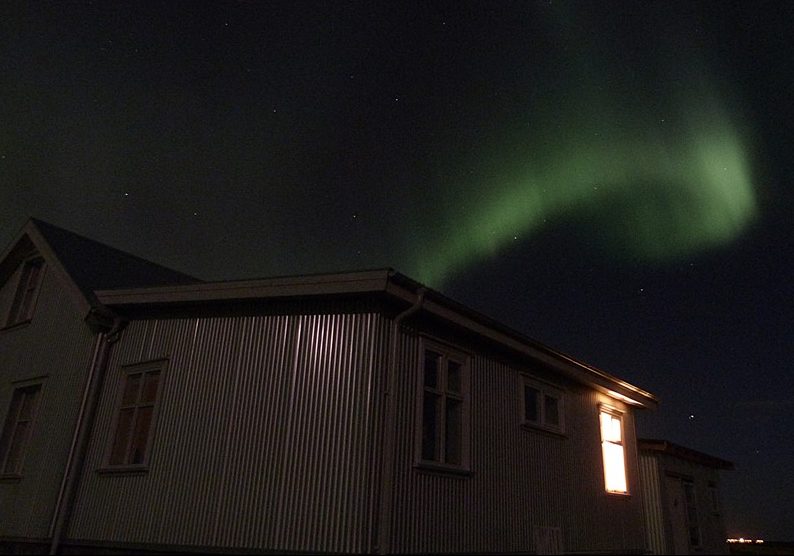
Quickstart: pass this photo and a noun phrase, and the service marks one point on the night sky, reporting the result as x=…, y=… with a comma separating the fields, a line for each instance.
x=612, y=179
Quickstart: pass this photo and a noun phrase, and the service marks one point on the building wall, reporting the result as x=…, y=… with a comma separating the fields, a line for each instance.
x=57, y=345
x=521, y=479
x=263, y=438
x=710, y=521
x=653, y=503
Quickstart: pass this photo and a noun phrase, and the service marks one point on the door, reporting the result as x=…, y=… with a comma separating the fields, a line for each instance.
x=677, y=510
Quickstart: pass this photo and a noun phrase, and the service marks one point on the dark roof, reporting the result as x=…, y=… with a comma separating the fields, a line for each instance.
x=96, y=266
x=675, y=450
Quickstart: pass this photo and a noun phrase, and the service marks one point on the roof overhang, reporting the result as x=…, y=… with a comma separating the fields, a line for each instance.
x=396, y=286
x=681, y=452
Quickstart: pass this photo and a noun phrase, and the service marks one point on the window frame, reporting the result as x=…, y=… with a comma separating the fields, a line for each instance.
x=545, y=389
x=142, y=368
x=715, y=504
x=617, y=414
x=447, y=353
x=36, y=384
x=23, y=304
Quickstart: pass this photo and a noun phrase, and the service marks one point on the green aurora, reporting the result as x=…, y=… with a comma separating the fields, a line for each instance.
x=654, y=184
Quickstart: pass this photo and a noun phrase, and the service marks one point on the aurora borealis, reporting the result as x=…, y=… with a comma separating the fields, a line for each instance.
x=611, y=179
x=656, y=202
x=658, y=178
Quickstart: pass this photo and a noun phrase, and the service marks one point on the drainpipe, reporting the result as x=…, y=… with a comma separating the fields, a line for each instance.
x=85, y=421
x=383, y=535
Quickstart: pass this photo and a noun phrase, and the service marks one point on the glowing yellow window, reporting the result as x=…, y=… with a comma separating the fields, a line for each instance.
x=612, y=450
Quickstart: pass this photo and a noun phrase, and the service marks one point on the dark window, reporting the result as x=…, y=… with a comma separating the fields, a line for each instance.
x=714, y=496
x=17, y=429
x=27, y=291
x=429, y=426
x=531, y=404
x=432, y=360
x=551, y=410
x=443, y=407
x=134, y=421
x=542, y=405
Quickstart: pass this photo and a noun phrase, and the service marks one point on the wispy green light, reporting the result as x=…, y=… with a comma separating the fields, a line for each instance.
x=645, y=150
x=656, y=196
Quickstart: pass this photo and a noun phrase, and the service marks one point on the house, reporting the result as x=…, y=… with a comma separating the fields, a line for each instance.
x=681, y=495
x=359, y=412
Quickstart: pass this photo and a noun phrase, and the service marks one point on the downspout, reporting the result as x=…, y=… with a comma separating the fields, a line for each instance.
x=85, y=421
x=383, y=536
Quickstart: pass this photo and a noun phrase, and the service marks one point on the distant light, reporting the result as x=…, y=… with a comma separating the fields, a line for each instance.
x=742, y=540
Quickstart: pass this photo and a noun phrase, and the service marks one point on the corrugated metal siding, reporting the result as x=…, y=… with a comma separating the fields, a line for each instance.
x=262, y=440
x=521, y=478
x=652, y=503
x=56, y=343
x=712, y=525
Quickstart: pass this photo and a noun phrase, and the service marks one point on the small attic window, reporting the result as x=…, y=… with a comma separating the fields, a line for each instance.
x=27, y=292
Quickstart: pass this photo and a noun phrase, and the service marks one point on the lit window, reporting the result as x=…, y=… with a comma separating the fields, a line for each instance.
x=613, y=452
x=444, y=406
x=27, y=291
x=17, y=429
x=542, y=405
x=135, y=417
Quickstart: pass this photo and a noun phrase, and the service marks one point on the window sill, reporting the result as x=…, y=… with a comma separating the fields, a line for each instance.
x=7, y=478
x=557, y=433
x=618, y=494
x=442, y=469
x=124, y=470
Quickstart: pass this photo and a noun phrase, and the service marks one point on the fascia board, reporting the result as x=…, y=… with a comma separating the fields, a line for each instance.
x=298, y=286
x=562, y=363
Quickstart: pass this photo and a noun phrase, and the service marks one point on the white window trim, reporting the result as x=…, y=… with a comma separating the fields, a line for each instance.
x=545, y=389
x=16, y=316
x=156, y=365
x=21, y=385
x=617, y=413
x=447, y=352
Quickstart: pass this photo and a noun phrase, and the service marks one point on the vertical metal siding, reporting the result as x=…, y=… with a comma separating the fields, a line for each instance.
x=520, y=479
x=652, y=503
x=58, y=344
x=263, y=438
x=711, y=524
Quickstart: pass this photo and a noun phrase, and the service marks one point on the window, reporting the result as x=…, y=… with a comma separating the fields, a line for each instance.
x=135, y=417
x=542, y=405
x=444, y=409
x=17, y=429
x=691, y=513
x=27, y=291
x=714, y=496
x=612, y=450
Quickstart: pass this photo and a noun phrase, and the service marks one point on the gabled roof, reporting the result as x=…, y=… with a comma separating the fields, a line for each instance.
x=681, y=452
x=85, y=265
x=102, y=277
